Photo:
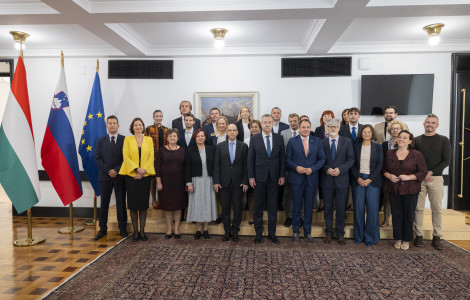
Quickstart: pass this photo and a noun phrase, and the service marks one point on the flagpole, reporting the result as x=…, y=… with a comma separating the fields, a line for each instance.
x=20, y=37
x=71, y=228
x=92, y=222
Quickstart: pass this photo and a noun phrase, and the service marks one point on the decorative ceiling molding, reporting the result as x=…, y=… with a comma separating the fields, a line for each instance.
x=312, y=31
x=26, y=8
x=373, y=3
x=52, y=51
x=399, y=46
x=126, y=32
x=125, y=6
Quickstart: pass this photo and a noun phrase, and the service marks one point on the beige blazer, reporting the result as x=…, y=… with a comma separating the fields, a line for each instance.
x=379, y=132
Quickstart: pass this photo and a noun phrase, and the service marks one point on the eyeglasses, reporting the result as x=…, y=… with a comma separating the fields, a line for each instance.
x=333, y=126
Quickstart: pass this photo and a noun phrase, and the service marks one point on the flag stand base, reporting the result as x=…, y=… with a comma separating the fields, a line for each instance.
x=92, y=222
x=74, y=229
x=27, y=242
x=71, y=228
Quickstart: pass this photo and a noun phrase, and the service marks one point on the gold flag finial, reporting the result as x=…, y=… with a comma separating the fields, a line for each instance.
x=62, y=58
x=97, y=66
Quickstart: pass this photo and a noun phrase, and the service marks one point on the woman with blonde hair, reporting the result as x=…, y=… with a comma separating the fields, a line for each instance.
x=244, y=118
x=219, y=134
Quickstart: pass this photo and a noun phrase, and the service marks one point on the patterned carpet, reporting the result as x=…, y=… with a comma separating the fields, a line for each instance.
x=212, y=269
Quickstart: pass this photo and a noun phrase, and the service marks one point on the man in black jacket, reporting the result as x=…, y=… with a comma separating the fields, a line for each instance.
x=230, y=176
x=108, y=157
x=185, y=108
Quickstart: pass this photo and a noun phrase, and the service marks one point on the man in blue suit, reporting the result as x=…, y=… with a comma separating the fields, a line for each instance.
x=304, y=156
x=335, y=179
x=210, y=128
x=185, y=136
x=278, y=126
x=108, y=157
x=266, y=172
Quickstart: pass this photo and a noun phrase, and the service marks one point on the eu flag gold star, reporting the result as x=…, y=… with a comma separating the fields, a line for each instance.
x=84, y=124
x=90, y=116
x=99, y=114
x=83, y=132
x=83, y=142
x=88, y=148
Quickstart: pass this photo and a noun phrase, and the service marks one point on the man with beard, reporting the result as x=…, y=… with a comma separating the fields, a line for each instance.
x=380, y=129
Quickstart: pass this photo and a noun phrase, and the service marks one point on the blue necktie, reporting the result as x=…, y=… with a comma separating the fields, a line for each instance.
x=268, y=146
x=333, y=149
x=354, y=133
x=232, y=155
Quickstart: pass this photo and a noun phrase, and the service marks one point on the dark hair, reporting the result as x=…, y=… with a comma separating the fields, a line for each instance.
x=391, y=107
x=326, y=112
x=354, y=109
x=254, y=121
x=412, y=138
x=304, y=116
x=172, y=130
x=112, y=117
x=156, y=112
x=343, y=122
x=215, y=108
x=196, y=132
x=373, y=138
x=294, y=115
x=189, y=115
x=305, y=120
x=131, y=128
x=275, y=107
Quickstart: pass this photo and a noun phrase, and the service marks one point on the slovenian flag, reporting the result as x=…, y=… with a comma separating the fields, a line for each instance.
x=58, y=151
x=94, y=127
x=18, y=167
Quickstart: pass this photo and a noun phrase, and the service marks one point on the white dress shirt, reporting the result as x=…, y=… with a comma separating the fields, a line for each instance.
x=270, y=141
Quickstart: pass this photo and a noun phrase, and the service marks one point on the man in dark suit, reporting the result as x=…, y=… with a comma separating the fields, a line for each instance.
x=351, y=130
x=185, y=139
x=304, y=157
x=185, y=108
x=230, y=177
x=108, y=157
x=278, y=126
x=266, y=172
x=210, y=128
x=335, y=179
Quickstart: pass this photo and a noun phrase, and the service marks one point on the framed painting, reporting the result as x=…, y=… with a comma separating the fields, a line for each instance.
x=228, y=103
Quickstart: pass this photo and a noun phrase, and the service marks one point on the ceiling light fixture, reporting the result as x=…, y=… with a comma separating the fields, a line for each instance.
x=219, y=34
x=433, y=31
x=20, y=38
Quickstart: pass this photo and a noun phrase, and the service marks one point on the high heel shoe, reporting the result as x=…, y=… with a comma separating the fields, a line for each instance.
x=177, y=236
x=144, y=237
x=168, y=236
x=136, y=238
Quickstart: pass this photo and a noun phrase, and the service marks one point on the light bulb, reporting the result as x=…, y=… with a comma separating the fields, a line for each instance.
x=434, y=40
x=17, y=46
x=219, y=44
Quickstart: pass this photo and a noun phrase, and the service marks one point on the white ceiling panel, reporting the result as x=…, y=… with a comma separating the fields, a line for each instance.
x=415, y=2
x=33, y=7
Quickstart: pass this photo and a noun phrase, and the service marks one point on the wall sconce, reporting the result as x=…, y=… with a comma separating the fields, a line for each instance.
x=433, y=31
x=20, y=38
x=219, y=34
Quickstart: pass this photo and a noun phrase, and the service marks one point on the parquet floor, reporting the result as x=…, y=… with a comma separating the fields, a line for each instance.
x=30, y=272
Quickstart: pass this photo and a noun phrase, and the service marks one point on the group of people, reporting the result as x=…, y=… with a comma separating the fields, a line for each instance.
x=208, y=170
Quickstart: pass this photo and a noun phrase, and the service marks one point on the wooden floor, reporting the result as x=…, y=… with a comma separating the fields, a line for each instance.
x=30, y=272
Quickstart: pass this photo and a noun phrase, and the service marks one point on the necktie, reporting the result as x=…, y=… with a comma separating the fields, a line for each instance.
x=268, y=146
x=385, y=130
x=354, y=133
x=294, y=133
x=113, y=142
x=305, y=146
x=232, y=155
x=333, y=149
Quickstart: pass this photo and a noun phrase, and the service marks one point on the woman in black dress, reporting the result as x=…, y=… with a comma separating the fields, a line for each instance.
x=171, y=183
x=138, y=165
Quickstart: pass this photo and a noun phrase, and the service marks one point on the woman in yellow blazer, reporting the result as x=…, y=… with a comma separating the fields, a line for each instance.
x=138, y=165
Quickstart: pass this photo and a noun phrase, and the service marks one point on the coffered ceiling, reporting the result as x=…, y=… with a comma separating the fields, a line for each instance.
x=170, y=28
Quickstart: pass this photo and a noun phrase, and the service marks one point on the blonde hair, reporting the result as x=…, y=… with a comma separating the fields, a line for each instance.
x=240, y=113
x=389, y=127
x=216, y=132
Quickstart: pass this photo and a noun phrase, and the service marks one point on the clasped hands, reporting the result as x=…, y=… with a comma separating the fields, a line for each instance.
x=302, y=170
x=393, y=178
x=140, y=173
x=363, y=182
x=333, y=172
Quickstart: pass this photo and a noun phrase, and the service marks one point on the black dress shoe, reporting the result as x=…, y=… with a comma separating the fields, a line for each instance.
x=274, y=239
x=123, y=233
x=136, y=237
x=144, y=237
x=288, y=222
x=295, y=238
x=168, y=236
x=341, y=241
x=207, y=235
x=310, y=239
x=100, y=234
x=218, y=221
x=258, y=239
x=177, y=236
x=235, y=237
x=197, y=236
x=226, y=237
x=328, y=239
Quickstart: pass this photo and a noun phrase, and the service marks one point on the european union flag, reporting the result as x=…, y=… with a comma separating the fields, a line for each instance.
x=94, y=127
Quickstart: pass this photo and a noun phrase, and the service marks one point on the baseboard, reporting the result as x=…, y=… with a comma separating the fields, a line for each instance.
x=45, y=211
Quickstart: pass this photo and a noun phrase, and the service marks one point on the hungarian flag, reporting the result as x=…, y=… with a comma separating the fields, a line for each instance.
x=18, y=167
x=58, y=151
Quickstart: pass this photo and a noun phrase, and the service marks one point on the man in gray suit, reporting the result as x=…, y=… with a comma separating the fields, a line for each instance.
x=287, y=134
x=335, y=179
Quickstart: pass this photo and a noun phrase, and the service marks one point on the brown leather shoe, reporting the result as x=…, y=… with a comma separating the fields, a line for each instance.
x=341, y=241
x=436, y=243
x=328, y=239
